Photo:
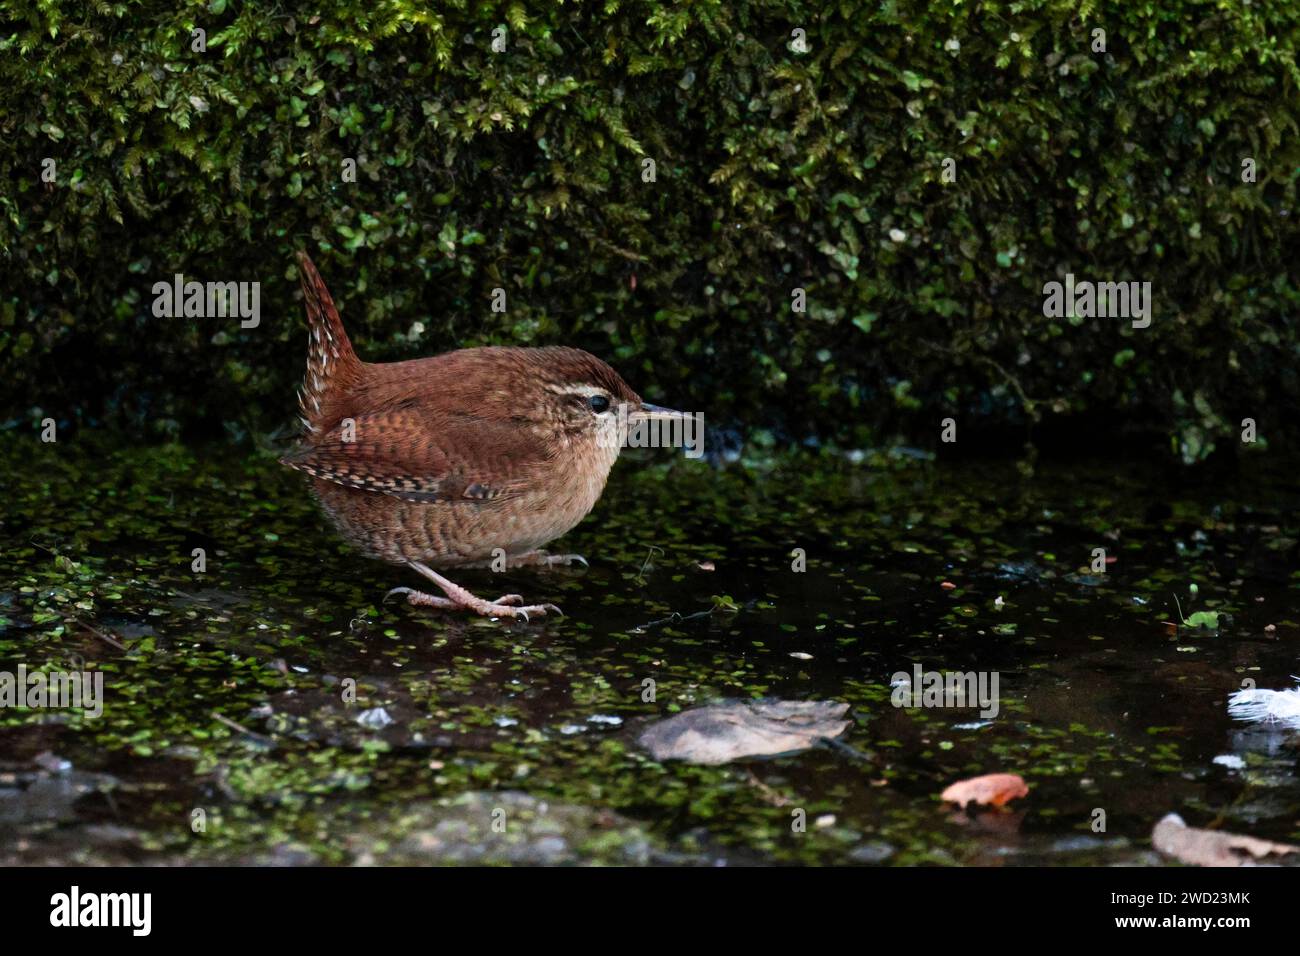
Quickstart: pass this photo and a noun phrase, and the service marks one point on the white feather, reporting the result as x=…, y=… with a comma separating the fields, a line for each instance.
x=1272, y=706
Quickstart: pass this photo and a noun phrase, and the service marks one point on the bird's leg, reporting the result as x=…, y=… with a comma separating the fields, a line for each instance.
x=508, y=605
x=424, y=600
x=542, y=559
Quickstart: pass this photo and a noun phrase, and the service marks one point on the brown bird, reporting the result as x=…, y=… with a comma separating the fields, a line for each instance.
x=458, y=460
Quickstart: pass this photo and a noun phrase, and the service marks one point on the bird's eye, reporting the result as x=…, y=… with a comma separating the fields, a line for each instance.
x=598, y=403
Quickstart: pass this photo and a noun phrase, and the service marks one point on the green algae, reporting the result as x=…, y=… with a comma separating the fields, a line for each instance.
x=231, y=726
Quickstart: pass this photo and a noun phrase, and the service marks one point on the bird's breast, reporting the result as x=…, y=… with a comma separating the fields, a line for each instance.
x=458, y=533
x=568, y=494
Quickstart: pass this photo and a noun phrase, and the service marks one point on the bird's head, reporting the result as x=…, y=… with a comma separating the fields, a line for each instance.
x=568, y=399
x=584, y=399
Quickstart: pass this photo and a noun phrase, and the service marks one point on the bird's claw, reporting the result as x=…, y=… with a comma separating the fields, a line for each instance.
x=497, y=609
x=397, y=591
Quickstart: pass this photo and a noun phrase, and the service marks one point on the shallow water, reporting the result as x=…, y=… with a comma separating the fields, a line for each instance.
x=225, y=736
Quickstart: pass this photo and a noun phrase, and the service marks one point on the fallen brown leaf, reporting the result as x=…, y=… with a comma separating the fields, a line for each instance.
x=992, y=789
x=1175, y=838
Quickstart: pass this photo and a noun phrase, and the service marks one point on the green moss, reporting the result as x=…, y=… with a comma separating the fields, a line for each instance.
x=775, y=169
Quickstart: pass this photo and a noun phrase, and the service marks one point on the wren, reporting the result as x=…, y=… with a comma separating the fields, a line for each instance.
x=459, y=459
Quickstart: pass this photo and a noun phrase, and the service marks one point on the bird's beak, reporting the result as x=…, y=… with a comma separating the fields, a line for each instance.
x=681, y=429
x=652, y=413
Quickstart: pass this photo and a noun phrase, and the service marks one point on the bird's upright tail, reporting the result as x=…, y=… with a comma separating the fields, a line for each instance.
x=331, y=363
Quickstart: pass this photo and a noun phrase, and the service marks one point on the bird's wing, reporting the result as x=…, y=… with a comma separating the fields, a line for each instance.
x=405, y=454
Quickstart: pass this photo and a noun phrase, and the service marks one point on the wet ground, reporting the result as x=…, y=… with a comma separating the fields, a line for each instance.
x=229, y=731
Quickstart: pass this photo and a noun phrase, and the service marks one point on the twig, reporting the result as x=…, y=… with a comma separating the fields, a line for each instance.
x=193, y=597
x=770, y=795
x=102, y=636
x=579, y=36
x=1030, y=404
x=674, y=617
x=241, y=728
x=649, y=554
x=835, y=744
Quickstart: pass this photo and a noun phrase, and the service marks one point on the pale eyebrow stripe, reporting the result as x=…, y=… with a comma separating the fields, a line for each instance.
x=586, y=391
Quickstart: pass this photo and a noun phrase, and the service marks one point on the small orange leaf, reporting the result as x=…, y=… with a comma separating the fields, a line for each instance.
x=948, y=586
x=993, y=789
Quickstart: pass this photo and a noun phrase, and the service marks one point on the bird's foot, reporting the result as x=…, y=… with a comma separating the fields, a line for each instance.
x=507, y=605
x=543, y=559
x=458, y=599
